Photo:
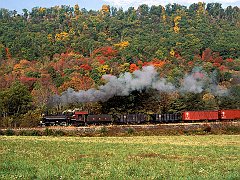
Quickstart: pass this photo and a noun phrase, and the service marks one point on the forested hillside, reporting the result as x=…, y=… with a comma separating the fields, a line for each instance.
x=45, y=51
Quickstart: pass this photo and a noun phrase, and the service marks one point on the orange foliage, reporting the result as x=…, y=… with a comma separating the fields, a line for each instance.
x=216, y=64
x=222, y=68
x=229, y=60
x=22, y=64
x=100, y=59
x=155, y=62
x=82, y=83
x=8, y=54
x=190, y=63
x=217, y=57
x=133, y=67
x=158, y=63
x=58, y=66
x=105, y=51
x=86, y=67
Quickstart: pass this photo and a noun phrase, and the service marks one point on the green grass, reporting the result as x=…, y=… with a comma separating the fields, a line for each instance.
x=152, y=157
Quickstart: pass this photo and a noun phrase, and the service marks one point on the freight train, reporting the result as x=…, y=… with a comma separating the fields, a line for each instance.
x=79, y=118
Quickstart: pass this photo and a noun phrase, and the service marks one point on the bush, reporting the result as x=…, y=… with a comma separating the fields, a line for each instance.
x=130, y=131
x=59, y=133
x=207, y=128
x=30, y=133
x=232, y=129
x=103, y=130
x=31, y=118
x=1, y=132
x=9, y=132
x=48, y=132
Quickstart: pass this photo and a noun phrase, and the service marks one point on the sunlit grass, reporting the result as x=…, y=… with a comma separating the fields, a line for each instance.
x=151, y=157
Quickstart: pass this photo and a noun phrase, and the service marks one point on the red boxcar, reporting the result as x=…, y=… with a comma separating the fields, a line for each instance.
x=79, y=117
x=230, y=114
x=199, y=115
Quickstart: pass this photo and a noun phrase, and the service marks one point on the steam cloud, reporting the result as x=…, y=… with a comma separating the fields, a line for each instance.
x=139, y=80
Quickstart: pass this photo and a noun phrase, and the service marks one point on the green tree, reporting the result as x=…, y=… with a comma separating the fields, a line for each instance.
x=16, y=100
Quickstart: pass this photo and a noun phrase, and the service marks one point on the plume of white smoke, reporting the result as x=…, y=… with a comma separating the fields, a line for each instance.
x=117, y=86
x=138, y=80
x=191, y=84
x=199, y=81
x=195, y=81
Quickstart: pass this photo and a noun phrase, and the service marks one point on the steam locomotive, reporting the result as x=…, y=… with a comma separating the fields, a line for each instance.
x=84, y=118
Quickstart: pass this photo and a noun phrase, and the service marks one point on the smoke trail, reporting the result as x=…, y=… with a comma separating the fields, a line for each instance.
x=198, y=81
x=195, y=82
x=117, y=86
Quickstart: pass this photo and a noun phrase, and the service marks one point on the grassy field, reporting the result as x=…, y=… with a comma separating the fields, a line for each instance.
x=151, y=157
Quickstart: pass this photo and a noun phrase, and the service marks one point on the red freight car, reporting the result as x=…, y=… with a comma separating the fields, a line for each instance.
x=230, y=114
x=199, y=115
x=79, y=117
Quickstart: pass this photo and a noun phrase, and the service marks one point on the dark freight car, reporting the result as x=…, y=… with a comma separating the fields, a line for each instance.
x=99, y=119
x=230, y=114
x=199, y=115
x=167, y=118
x=132, y=119
x=53, y=120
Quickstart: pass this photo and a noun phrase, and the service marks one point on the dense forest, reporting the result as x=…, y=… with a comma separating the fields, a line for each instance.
x=46, y=51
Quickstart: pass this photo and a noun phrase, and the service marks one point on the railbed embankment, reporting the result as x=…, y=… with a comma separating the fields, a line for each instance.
x=126, y=130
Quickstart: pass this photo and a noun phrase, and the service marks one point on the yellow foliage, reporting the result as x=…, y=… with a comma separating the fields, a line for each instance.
x=176, y=29
x=164, y=17
x=63, y=36
x=42, y=10
x=124, y=67
x=172, y=53
x=176, y=20
x=201, y=8
x=103, y=69
x=208, y=96
x=49, y=37
x=76, y=10
x=122, y=45
x=105, y=8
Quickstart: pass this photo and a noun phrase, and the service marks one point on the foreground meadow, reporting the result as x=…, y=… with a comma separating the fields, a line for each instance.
x=151, y=157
